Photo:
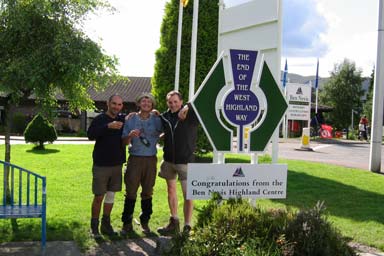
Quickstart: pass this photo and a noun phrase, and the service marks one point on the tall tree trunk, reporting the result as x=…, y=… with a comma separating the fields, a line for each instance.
x=7, y=141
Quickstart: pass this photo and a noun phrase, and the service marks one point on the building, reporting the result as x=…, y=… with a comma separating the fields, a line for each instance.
x=74, y=122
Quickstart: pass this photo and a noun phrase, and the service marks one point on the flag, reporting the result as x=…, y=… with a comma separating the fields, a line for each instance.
x=317, y=75
x=285, y=73
x=184, y=2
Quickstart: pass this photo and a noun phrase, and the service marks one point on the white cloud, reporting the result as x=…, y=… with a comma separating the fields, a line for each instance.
x=303, y=27
x=132, y=34
x=351, y=33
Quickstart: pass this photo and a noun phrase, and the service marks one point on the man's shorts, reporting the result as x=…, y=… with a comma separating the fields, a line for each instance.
x=106, y=178
x=170, y=171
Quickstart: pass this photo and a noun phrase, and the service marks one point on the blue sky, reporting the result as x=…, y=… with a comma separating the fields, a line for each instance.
x=302, y=27
x=330, y=30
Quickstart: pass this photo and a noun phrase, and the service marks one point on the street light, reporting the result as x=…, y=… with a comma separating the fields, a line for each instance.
x=353, y=111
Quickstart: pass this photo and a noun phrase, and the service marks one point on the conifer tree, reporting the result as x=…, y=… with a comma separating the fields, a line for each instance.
x=164, y=75
x=39, y=131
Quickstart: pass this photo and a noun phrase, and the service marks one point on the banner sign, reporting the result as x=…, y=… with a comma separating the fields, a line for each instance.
x=299, y=101
x=237, y=180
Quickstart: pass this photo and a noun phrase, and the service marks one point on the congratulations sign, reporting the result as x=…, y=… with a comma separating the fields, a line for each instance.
x=237, y=180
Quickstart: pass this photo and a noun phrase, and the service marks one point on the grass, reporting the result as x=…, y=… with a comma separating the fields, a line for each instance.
x=354, y=198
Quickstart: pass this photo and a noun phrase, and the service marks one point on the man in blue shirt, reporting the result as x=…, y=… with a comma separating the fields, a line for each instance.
x=142, y=132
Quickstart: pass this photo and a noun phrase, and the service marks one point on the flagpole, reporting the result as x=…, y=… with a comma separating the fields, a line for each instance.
x=192, y=68
x=178, y=49
x=317, y=85
x=317, y=95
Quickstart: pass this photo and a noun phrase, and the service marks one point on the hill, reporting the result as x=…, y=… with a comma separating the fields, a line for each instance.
x=296, y=78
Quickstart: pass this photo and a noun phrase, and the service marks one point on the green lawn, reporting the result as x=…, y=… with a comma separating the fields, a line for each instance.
x=354, y=198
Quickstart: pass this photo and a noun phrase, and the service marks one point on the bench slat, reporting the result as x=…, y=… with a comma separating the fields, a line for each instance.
x=20, y=211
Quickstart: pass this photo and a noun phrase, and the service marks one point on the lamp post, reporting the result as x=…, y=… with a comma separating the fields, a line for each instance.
x=353, y=112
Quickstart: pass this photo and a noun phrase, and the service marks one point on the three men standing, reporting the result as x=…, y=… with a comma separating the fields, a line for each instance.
x=179, y=124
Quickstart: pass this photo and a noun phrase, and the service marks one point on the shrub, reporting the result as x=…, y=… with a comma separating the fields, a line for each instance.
x=40, y=130
x=81, y=133
x=234, y=227
x=313, y=235
x=231, y=227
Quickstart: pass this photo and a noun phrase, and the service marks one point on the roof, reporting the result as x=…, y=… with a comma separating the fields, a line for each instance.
x=322, y=108
x=128, y=90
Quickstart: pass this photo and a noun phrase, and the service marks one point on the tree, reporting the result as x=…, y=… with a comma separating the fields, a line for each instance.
x=343, y=92
x=44, y=52
x=164, y=75
x=367, y=108
x=40, y=130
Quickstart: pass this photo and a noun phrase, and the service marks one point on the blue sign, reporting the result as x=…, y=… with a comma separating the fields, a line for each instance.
x=241, y=106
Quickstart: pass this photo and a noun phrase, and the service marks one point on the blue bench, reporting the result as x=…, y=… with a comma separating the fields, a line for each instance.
x=24, y=196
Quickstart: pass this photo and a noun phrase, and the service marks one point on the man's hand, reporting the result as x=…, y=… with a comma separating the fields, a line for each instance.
x=155, y=112
x=130, y=115
x=134, y=133
x=183, y=112
x=115, y=125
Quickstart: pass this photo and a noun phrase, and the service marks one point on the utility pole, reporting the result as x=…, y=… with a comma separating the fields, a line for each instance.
x=377, y=110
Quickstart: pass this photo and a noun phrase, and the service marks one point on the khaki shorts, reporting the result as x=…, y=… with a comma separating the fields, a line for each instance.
x=106, y=178
x=170, y=171
x=141, y=170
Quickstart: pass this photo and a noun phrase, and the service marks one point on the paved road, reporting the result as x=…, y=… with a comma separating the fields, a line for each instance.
x=60, y=140
x=355, y=154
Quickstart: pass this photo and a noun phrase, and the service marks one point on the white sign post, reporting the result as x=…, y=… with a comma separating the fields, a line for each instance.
x=241, y=89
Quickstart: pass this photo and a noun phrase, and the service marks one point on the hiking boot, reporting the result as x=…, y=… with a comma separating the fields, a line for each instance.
x=173, y=227
x=127, y=228
x=106, y=228
x=145, y=228
x=187, y=229
x=95, y=228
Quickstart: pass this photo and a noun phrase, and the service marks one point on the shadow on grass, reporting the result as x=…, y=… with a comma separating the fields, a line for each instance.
x=62, y=230
x=27, y=229
x=43, y=151
x=341, y=200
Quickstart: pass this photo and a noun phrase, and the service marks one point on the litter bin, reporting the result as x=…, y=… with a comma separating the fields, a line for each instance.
x=344, y=132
